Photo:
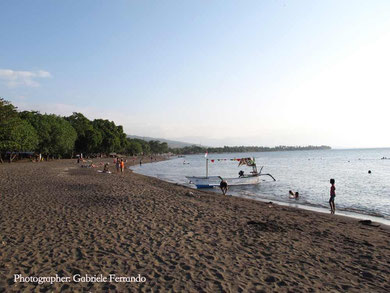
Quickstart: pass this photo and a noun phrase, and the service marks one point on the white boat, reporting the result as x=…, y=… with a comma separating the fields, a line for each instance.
x=242, y=179
x=205, y=182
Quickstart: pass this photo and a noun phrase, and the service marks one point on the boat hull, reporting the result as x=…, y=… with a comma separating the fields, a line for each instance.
x=247, y=180
x=205, y=182
x=212, y=181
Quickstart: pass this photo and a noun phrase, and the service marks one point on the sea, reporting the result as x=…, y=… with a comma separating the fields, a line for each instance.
x=359, y=193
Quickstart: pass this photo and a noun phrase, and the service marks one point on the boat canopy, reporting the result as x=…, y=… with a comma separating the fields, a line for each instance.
x=247, y=161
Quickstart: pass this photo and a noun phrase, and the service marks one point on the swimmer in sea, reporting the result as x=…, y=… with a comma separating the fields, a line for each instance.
x=293, y=195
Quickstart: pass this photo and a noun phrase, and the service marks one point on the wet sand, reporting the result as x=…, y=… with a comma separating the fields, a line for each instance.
x=58, y=218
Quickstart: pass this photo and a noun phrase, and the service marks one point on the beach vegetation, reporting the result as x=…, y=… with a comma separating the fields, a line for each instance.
x=93, y=140
x=16, y=134
x=196, y=149
x=111, y=135
x=56, y=135
x=157, y=147
x=86, y=136
x=133, y=148
x=146, y=150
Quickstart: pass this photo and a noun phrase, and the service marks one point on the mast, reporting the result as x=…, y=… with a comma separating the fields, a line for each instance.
x=207, y=167
x=254, y=167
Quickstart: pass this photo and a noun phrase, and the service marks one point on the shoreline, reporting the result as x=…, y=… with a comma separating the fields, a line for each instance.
x=322, y=210
x=318, y=209
x=66, y=220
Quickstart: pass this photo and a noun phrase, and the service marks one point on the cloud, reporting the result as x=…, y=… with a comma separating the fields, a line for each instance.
x=14, y=78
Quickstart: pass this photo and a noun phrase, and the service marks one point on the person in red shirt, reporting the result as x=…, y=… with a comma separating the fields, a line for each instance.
x=332, y=196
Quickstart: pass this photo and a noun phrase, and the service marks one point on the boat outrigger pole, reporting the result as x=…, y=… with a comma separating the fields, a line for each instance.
x=266, y=174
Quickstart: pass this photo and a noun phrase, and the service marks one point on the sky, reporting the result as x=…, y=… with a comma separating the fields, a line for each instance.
x=214, y=73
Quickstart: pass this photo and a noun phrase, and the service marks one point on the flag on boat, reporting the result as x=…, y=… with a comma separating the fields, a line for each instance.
x=205, y=155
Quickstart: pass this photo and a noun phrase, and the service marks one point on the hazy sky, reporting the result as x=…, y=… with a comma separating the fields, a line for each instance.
x=210, y=72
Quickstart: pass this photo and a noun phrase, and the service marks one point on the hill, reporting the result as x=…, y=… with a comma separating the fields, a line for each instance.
x=171, y=143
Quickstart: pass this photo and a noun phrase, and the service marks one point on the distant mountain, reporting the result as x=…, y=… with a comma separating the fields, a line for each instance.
x=171, y=143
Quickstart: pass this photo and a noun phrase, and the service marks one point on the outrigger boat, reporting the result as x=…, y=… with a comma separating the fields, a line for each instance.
x=212, y=181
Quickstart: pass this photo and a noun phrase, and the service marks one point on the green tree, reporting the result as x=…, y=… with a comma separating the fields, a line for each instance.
x=63, y=136
x=15, y=134
x=122, y=138
x=157, y=147
x=93, y=140
x=133, y=147
x=56, y=135
x=24, y=137
x=113, y=138
x=84, y=128
x=144, y=144
x=164, y=148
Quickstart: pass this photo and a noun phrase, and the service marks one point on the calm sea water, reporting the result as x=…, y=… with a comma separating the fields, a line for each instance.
x=307, y=172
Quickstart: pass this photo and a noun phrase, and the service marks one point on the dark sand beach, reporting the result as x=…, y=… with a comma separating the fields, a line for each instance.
x=58, y=218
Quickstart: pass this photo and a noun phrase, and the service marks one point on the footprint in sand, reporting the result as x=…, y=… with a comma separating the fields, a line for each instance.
x=270, y=279
x=185, y=267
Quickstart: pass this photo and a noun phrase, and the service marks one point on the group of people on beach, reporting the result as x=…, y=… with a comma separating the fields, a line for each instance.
x=119, y=164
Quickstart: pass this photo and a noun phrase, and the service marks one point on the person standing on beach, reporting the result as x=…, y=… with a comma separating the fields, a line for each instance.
x=122, y=166
x=117, y=165
x=332, y=196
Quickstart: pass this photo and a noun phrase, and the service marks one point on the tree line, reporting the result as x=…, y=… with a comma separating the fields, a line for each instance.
x=188, y=150
x=62, y=137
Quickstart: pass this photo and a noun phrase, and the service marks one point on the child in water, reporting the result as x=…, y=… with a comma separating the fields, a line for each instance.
x=293, y=195
x=332, y=196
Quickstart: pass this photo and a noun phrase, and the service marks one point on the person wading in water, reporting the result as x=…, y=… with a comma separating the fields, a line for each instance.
x=224, y=186
x=332, y=196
